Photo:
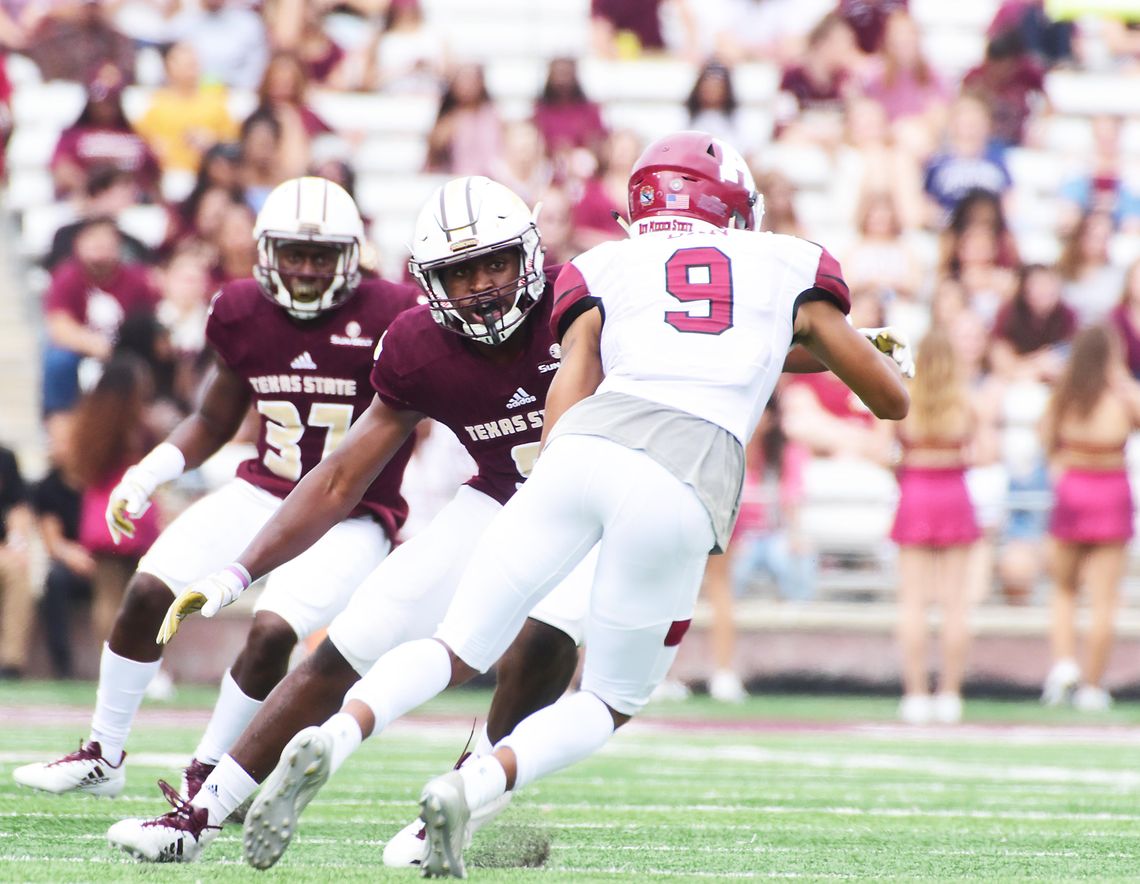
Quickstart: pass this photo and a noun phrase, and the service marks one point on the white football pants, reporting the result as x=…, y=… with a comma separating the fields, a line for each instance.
x=654, y=536
x=407, y=594
x=306, y=592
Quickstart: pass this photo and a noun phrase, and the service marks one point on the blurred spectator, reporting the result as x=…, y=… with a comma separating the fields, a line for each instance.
x=935, y=527
x=907, y=87
x=75, y=41
x=236, y=247
x=523, y=166
x=108, y=192
x=868, y=160
x=86, y=302
x=779, y=203
x=814, y=87
x=142, y=336
x=298, y=27
x=978, y=249
x=966, y=162
x=229, y=39
x=1009, y=82
x=102, y=136
x=185, y=118
x=17, y=526
x=57, y=499
x=604, y=189
x=563, y=114
x=1032, y=332
x=712, y=104
x=217, y=183
x=1029, y=350
x=467, y=136
x=557, y=226
x=772, y=31
x=1094, y=408
x=260, y=166
x=766, y=537
x=626, y=28
x=1092, y=283
x=406, y=54
x=109, y=434
x=868, y=19
x=5, y=113
x=1049, y=41
x=880, y=256
x=1102, y=184
x=1126, y=318
x=186, y=288
x=283, y=93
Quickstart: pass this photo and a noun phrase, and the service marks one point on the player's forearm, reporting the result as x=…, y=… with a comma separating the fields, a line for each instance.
x=199, y=438
x=323, y=498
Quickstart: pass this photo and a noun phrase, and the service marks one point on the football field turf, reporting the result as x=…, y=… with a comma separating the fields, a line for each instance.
x=783, y=786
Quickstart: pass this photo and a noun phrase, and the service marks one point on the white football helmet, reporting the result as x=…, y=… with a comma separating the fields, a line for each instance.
x=312, y=211
x=464, y=219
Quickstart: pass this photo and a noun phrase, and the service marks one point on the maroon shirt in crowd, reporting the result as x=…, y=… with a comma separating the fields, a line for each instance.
x=639, y=16
x=495, y=410
x=92, y=146
x=309, y=380
x=99, y=305
x=811, y=95
x=868, y=19
x=576, y=124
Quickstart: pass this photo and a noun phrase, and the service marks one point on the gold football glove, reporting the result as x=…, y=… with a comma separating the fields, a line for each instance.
x=208, y=595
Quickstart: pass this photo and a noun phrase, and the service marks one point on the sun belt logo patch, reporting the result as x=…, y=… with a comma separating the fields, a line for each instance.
x=352, y=337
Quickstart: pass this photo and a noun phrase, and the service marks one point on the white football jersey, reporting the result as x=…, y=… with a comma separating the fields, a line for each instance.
x=696, y=317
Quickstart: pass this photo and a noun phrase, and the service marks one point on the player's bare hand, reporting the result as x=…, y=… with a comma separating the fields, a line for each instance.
x=894, y=343
x=208, y=595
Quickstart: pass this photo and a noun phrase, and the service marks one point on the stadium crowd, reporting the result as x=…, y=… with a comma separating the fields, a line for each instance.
x=931, y=208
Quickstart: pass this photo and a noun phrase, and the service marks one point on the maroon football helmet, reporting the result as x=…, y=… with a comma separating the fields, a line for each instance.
x=694, y=175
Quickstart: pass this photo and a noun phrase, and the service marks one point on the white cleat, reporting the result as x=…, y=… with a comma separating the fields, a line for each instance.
x=1090, y=698
x=1061, y=683
x=174, y=837
x=444, y=811
x=299, y=775
x=408, y=847
x=84, y=771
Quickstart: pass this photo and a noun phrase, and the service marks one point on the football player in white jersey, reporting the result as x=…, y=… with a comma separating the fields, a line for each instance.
x=671, y=343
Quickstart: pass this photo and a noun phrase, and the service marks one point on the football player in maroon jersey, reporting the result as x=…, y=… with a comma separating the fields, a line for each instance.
x=295, y=342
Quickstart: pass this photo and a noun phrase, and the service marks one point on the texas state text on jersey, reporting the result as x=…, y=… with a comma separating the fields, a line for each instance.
x=495, y=410
x=309, y=382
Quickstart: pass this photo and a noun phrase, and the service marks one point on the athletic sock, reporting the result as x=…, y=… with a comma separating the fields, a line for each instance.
x=571, y=729
x=404, y=678
x=122, y=684
x=346, y=737
x=483, y=744
x=484, y=780
x=227, y=786
x=232, y=712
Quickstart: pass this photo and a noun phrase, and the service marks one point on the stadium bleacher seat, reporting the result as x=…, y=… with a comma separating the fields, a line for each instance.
x=1079, y=92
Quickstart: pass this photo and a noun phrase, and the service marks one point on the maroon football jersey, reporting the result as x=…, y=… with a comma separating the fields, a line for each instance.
x=495, y=410
x=309, y=380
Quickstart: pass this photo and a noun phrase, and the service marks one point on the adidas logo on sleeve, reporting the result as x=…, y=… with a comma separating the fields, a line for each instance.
x=520, y=398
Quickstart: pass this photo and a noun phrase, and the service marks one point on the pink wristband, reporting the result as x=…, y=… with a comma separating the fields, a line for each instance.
x=240, y=573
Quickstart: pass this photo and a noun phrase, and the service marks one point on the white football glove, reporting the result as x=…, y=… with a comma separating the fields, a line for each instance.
x=208, y=595
x=129, y=500
x=894, y=343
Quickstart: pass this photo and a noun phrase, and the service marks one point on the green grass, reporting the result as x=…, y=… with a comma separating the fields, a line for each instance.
x=782, y=786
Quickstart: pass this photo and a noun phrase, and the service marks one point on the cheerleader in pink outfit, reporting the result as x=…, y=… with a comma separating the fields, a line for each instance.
x=1094, y=408
x=935, y=527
